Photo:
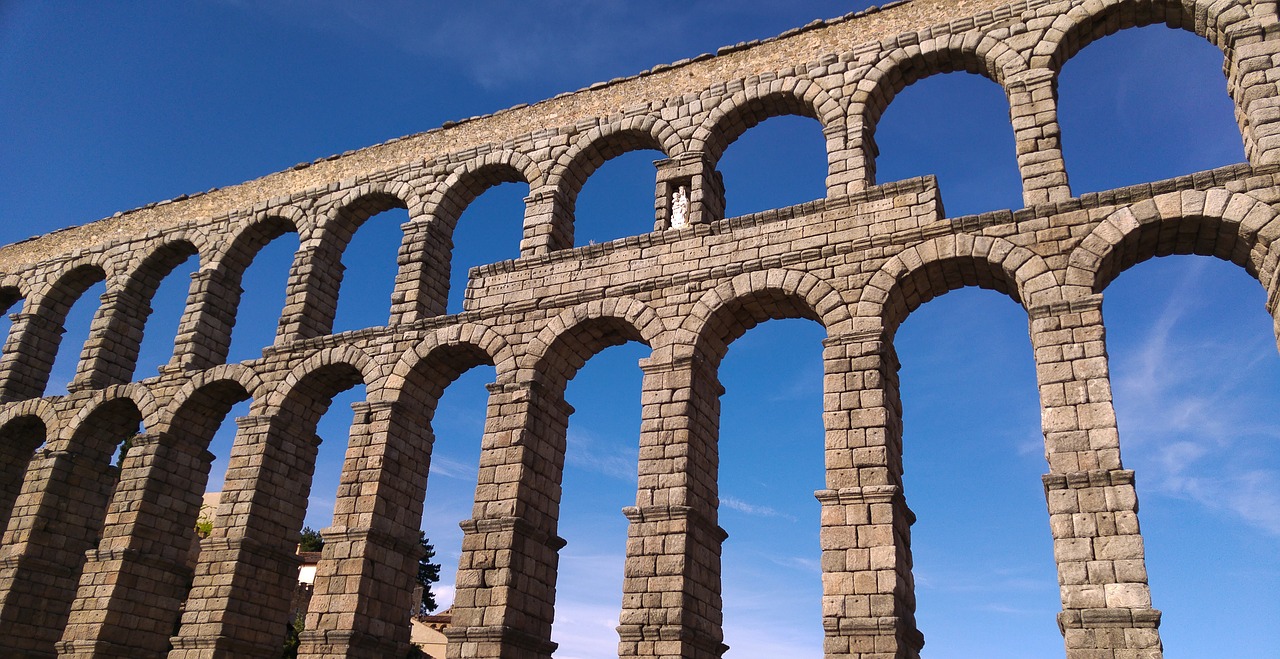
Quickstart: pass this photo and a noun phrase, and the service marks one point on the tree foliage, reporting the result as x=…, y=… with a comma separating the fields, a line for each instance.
x=428, y=573
x=311, y=540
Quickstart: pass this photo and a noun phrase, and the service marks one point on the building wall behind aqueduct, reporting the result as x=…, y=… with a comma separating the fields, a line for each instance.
x=92, y=558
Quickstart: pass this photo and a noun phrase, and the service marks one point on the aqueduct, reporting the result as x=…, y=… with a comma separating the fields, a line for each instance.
x=92, y=559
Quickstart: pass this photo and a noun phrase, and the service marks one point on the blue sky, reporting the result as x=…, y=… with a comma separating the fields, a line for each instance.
x=105, y=107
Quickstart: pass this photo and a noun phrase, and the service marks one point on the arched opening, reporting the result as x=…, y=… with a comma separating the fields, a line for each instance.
x=1194, y=370
x=269, y=485
x=261, y=271
x=771, y=463
x=368, y=271
x=11, y=302
x=956, y=127
x=616, y=200
x=1143, y=105
x=203, y=428
x=488, y=230
x=168, y=304
x=985, y=578
x=76, y=318
x=599, y=480
x=19, y=439
x=780, y=161
x=54, y=541
x=458, y=425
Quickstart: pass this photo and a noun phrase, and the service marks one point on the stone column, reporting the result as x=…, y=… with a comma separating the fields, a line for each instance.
x=694, y=171
x=28, y=355
x=1253, y=50
x=845, y=169
x=422, y=279
x=55, y=520
x=365, y=580
x=248, y=567
x=1093, y=508
x=135, y=580
x=548, y=222
x=111, y=353
x=311, y=296
x=204, y=333
x=868, y=590
x=671, y=605
x=1033, y=109
x=861, y=152
x=505, y=599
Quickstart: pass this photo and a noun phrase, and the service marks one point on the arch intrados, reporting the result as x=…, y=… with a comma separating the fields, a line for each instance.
x=730, y=310
x=158, y=264
x=1084, y=25
x=745, y=110
x=1233, y=227
x=927, y=271
x=576, y=335
x=101, y=427
x=308, y=389
x=252, y=238
x=468, y=182
x=438, y=360
x=604, y=143
x=991, y=59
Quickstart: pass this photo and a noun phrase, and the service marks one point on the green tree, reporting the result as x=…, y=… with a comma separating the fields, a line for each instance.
x=311, y=540
x=428, y=573
x=293, y=637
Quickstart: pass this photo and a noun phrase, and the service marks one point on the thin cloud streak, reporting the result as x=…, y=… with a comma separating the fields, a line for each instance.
x=1192, y=416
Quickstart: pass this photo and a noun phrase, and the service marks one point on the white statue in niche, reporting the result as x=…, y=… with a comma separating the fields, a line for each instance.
x=680, y=208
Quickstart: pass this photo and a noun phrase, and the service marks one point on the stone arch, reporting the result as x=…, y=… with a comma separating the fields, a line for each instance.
x=349, y=212
x=24, y=427
x=423, y=373
x=600, y=144
x=571, y=338
x=425, y=257
x=136, y=395
x=26, y=365
x=204, y=334
x=247, y=237
x=201, y=398
x=745, y=109
x=928, y=270
x=309, y=387
x=1235, y=227
x=116, y=334
x=470, y=179
x=316, y=274
x=726, y=312
x=896, y=70
x=1090, y=21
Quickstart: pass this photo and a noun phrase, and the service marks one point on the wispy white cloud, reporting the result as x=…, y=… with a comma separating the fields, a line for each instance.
x=615, y=458
x=733, y=503
x=1189, y=409
x=442, y=466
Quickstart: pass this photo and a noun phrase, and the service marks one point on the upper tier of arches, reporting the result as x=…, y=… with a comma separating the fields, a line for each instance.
x=845, y=95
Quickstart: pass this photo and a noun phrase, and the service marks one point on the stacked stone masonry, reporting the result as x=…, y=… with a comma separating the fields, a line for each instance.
x=92, y=562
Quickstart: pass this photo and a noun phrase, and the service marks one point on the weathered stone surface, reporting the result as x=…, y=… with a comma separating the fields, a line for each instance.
x=92, y=562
